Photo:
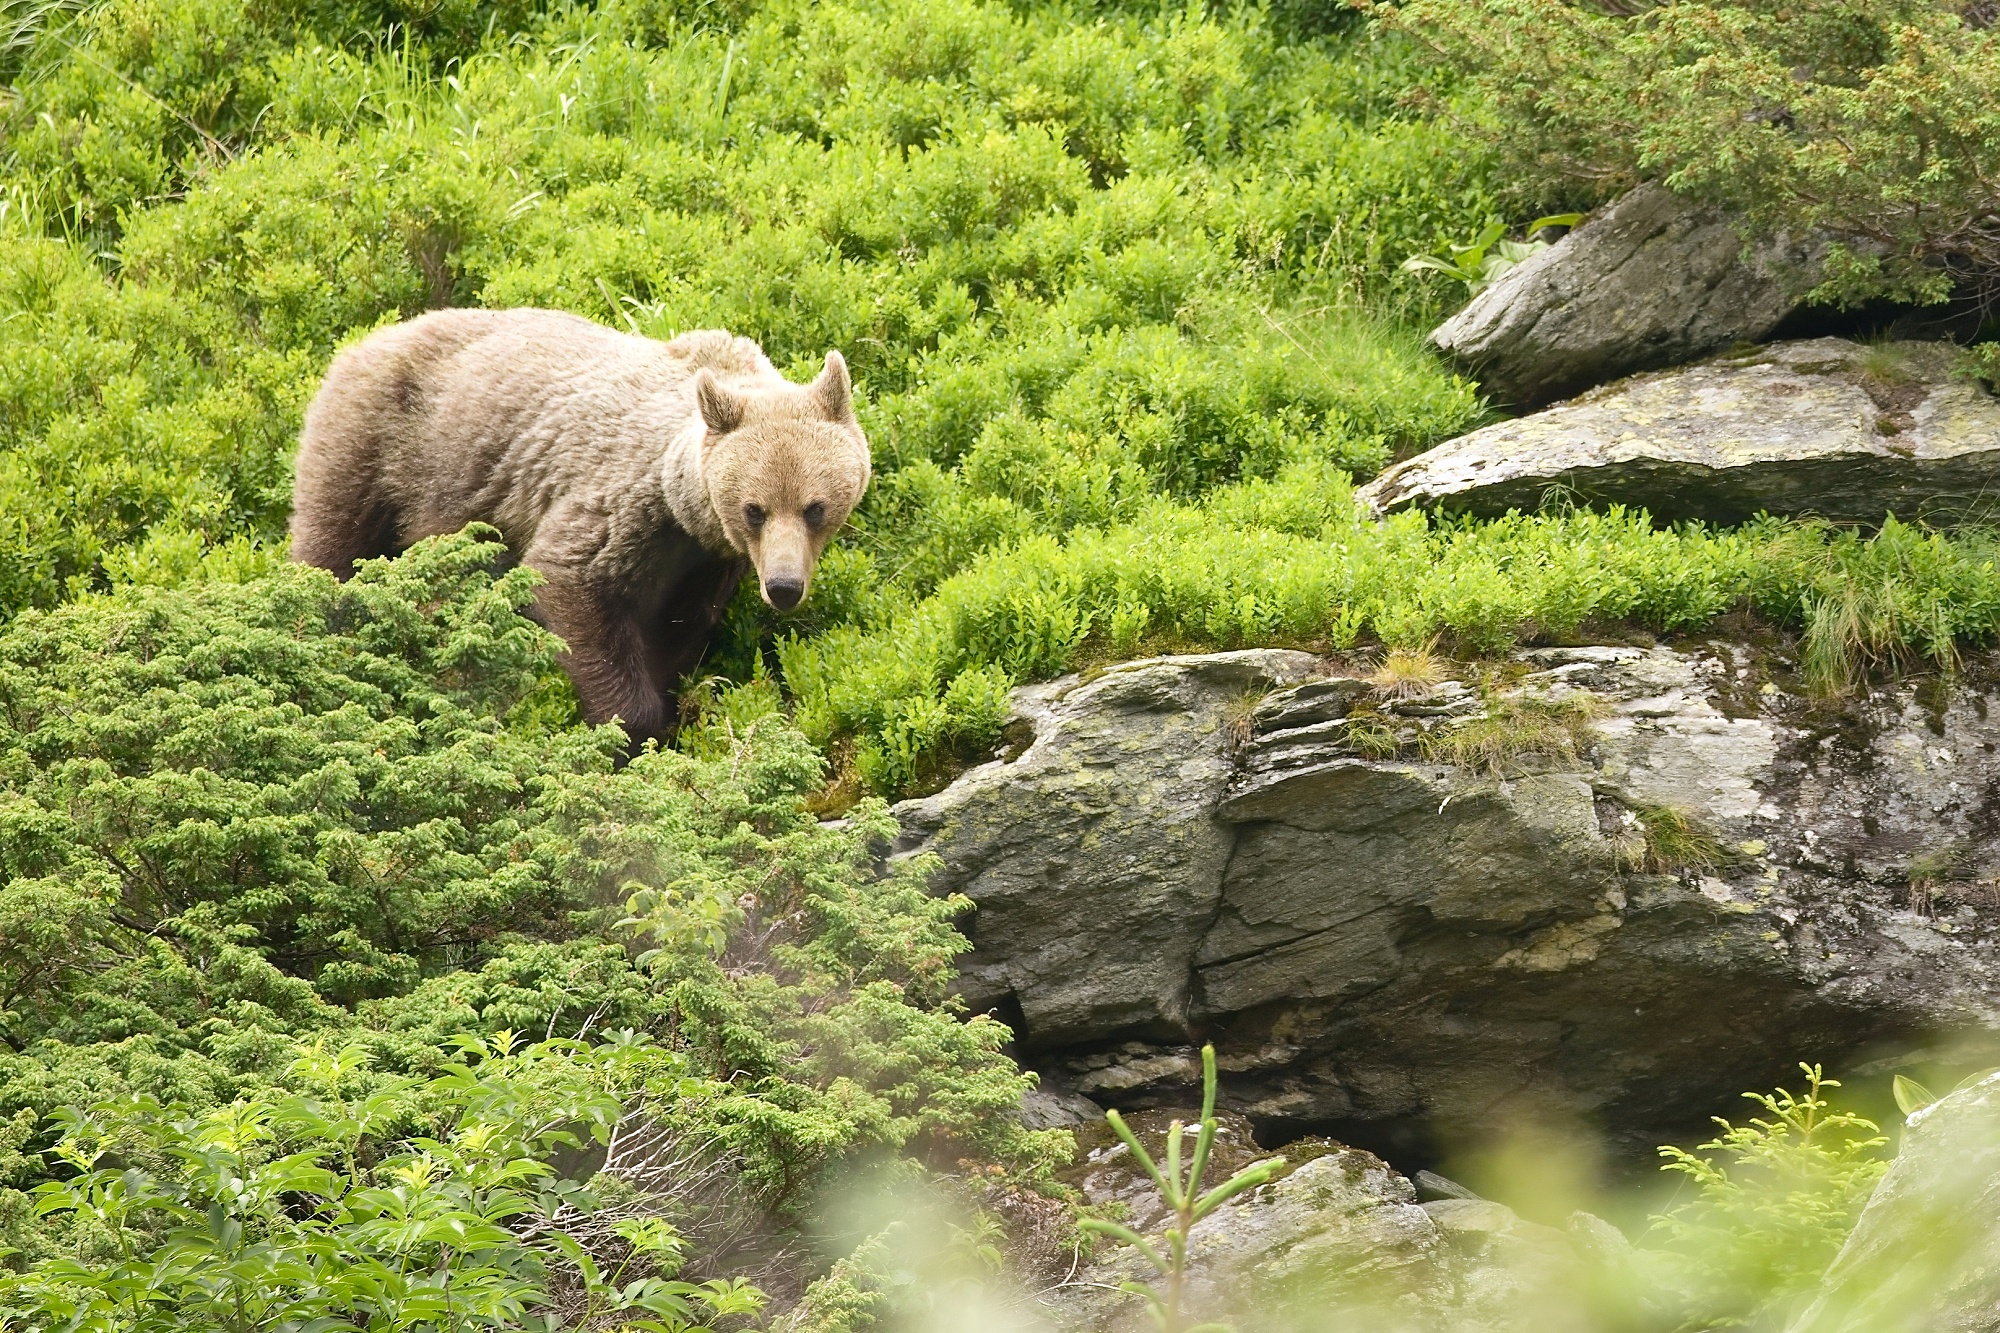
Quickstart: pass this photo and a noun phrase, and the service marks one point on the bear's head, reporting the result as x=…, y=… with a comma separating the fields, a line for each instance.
x=783, y=470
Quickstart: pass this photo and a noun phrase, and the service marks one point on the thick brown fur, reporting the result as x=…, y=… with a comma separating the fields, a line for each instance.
x=639, y=478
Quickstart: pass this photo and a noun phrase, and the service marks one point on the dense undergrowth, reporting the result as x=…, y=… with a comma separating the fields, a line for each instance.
x=283, y=859
x=294, y=839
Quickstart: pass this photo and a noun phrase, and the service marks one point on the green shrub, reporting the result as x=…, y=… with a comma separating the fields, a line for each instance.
x=1876, y=120
x=249, y=822
x=315, y=766
x=421, y=1203
x=1774, y=1199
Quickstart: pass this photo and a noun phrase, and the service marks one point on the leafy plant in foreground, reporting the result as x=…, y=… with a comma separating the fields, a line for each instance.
x=421, y=1204
x=1185, y=1201
x=1912, y=1096
x=1982, y=362
x=1488, y=256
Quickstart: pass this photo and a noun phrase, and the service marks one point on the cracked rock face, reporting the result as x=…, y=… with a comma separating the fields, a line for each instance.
x=1726, y=882
x=1651, y=281
x=1819, y=426
x=1115, y=792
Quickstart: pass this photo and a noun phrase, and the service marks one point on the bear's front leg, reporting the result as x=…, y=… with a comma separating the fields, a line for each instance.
x=606, y=657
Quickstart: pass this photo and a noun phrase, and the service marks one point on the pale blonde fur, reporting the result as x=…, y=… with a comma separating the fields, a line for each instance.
x=631, y=473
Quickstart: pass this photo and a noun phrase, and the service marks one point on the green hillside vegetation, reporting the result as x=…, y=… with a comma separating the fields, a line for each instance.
x=1121, y=295
x=1875, y=119
x=329, y=880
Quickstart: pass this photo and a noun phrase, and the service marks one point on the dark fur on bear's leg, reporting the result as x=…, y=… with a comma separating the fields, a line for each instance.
x=605, y=657
x=630, y=668
x=339, y=517
x=678, y=637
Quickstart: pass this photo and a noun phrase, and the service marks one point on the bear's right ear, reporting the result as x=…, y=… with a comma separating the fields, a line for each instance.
x=721, y=410
x=833, y=391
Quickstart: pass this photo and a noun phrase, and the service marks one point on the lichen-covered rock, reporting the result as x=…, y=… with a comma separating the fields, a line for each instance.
x=1821, y=426
x=1105, y=1172
x=1650, y=281
x=1727, y=879
x=1925, y=1255
x=1341, y=1241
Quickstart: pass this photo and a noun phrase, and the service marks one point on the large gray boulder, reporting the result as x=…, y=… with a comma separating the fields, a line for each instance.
x=1383, y=948
x=1652, y=280
x=1820, y=426
x=1925, y=1254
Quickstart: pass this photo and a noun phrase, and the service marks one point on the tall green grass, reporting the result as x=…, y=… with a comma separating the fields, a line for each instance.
x=1291, y=561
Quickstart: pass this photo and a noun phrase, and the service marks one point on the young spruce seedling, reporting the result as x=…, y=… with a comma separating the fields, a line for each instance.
x=1185, y=1201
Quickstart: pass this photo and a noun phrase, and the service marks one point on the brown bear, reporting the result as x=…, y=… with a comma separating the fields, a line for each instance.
x=638, y=477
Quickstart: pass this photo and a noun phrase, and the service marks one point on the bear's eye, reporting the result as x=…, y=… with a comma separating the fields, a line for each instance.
x=754, y=516
x=815, y=514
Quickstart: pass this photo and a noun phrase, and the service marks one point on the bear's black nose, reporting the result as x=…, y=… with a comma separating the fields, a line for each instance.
x=784, y=593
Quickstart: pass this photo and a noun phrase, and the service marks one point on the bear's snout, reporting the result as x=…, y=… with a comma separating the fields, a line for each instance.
x=784, y=593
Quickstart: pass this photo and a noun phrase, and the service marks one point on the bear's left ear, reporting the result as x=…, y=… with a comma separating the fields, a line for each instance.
x=832, y=390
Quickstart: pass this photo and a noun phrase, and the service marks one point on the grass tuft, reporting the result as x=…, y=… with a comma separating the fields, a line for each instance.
x=1932, y=875
x=1672, y=841
x=1510, y=730
x=1407, y=674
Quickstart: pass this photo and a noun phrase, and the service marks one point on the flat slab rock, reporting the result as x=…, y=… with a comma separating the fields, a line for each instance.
x=1651, y=280
x=1821, y=426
